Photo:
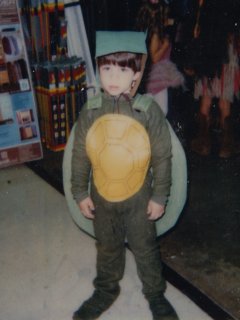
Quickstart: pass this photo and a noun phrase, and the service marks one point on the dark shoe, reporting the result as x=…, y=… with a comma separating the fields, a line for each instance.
x=93, y=307
x=162, y=309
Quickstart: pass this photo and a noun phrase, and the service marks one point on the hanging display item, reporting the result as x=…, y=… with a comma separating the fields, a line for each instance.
x=19, y=131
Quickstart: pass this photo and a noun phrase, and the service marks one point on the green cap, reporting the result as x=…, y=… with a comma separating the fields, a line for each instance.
x=108, y=42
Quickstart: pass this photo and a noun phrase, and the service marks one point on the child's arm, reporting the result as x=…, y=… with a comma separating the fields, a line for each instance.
x=81, y=166
x=161, y=154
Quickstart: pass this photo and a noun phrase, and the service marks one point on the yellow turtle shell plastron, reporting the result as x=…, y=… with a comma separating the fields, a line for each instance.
x=119, y=149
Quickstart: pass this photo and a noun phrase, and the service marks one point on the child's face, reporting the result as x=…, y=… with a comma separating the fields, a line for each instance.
x=116, y=79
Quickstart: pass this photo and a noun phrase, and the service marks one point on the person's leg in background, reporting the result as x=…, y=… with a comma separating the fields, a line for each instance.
x=201, y=144
x=226, y=124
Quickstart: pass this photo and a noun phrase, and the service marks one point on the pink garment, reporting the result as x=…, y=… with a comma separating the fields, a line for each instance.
x=163, y=74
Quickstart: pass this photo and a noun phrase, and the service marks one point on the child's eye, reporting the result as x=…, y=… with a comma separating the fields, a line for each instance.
x=123, y=69
x=106, y=67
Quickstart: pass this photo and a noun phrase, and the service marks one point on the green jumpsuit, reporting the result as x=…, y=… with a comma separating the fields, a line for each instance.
x=118, y=222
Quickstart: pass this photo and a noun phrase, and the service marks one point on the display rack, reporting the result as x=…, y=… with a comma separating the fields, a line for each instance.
x=59, y=80
x=61, y=92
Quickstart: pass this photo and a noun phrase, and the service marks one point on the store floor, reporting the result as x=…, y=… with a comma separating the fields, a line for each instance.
x=47, y=263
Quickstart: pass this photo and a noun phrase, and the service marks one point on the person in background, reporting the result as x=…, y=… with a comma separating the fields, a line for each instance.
x=216, y=72
x=154, y=17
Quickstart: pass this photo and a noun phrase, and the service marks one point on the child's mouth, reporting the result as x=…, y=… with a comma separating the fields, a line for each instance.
x=113, y=87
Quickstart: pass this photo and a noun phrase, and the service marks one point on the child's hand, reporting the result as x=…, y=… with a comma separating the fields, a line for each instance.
x=87, y=207
x=155, y=210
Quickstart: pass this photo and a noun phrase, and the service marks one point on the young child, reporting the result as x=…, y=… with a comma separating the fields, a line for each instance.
x=216, y=74
x=155, y=18
x=122, y=149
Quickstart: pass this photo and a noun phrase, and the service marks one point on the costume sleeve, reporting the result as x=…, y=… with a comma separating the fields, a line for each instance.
x=161, y=154
x=81, y=166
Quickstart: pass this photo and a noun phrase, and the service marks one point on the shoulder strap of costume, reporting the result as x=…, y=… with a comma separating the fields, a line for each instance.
x=142, y=102
x=94, y=102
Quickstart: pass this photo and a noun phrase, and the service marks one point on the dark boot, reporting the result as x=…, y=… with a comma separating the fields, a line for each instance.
x=93, y=307
x=202, y=143
x=161, y=309
x=227, y=146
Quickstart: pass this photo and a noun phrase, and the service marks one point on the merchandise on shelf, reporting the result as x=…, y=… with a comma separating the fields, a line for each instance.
x=19, y=129
x=61, y=92
x=59, y=80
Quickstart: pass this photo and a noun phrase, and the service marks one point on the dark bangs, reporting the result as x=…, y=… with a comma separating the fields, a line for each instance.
x=122, y=59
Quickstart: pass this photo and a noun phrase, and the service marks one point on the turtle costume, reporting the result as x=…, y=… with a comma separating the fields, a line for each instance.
x=123, y=146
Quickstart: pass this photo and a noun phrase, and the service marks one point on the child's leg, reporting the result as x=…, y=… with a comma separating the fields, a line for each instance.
x=110, y=245
x=227, y=147
x=141, y=235
x=224, y=109
x=110, y=234
x=205, y=106
x=201, y=144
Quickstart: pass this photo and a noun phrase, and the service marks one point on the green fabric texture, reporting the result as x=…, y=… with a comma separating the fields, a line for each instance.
x=108, y=42
x=141, y=102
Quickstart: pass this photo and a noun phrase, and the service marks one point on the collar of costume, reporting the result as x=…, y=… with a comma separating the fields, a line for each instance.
x=139, y=102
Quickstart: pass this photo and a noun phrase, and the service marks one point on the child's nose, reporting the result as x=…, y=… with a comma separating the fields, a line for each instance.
x=114, y=74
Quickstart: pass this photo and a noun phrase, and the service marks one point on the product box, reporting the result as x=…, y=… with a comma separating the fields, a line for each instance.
x=19, y=130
